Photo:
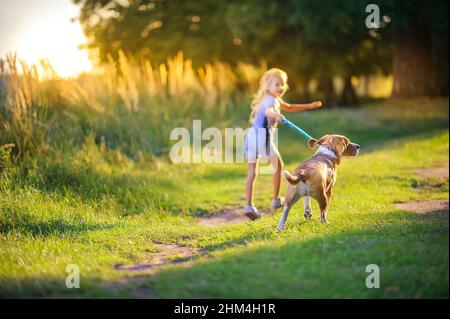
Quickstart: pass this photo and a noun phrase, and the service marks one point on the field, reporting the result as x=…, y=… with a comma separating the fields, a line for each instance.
x=113, y=214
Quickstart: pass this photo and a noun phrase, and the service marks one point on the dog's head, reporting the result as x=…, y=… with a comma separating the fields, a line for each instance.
x=338, y=144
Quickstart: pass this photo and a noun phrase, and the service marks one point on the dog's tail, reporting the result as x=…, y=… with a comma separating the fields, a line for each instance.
x=295, y=179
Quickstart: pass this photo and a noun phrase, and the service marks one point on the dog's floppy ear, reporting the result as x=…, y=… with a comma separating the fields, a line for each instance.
x=312, y=143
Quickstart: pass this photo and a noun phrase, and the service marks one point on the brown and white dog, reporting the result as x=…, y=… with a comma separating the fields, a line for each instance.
x=316, y=176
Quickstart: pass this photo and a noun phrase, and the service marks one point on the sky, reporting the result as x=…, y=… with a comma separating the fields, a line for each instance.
x=38, y=29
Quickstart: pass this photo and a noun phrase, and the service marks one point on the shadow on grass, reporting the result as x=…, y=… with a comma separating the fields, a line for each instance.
x=29, y=288
x=30, y=225
x=413, y=258
x=134, y=193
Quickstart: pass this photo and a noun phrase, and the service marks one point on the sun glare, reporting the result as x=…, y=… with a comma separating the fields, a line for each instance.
x=56, y=38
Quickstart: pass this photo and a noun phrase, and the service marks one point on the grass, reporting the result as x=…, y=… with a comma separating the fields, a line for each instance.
x=94, y=207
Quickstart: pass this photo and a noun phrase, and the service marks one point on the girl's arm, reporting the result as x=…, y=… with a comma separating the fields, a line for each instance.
x=299, y=107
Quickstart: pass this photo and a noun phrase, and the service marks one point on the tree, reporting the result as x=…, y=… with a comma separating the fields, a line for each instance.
x=420, y=46
x=157, y=29
x=317, y=39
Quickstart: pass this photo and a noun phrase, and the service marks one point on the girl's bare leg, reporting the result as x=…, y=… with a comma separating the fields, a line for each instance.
x=250, y=185
x=277, y=164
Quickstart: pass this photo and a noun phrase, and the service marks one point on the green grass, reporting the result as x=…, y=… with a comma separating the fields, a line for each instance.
x=96, y=208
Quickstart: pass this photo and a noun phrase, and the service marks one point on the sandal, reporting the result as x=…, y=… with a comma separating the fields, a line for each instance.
x=277, y=203
x=251, y=212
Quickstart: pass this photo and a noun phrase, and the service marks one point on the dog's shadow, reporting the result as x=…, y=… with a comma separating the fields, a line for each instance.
x=250, y=236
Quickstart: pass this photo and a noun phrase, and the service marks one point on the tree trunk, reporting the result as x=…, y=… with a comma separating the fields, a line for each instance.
x=348, y=94
x=305, y=88
x=326, y=86
x=330, y=98
x=412, y=67
x=367, y=86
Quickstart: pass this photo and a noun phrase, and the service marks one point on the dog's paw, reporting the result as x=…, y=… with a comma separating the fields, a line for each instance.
x=324, y=220
x=281, y=228
x=308, y=215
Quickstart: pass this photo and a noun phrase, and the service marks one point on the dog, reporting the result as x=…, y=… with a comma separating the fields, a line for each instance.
x=316, y=176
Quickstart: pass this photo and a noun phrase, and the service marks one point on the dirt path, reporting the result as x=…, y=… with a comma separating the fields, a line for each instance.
x=168, y=254
x=135, y=281
x=427, y=206
x=176, y=254
x=229, y=215
x=440, y=172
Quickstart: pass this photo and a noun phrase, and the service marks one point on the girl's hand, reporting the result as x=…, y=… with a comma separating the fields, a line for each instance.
x=280, y=118
x=316, y=104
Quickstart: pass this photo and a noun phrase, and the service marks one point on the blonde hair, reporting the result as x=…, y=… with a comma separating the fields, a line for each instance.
x=264, y=83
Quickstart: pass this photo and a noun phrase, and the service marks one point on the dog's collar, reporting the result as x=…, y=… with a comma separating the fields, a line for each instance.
x=326, y=151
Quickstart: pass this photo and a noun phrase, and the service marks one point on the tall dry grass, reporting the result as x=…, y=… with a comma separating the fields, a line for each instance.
x=130, y=105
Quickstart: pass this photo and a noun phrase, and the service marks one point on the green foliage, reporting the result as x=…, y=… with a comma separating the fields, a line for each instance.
x=316, y=39
x=5, y=158
x=158, y=29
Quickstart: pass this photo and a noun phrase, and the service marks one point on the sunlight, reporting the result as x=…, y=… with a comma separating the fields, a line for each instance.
x=57, y=39
x=58, y=45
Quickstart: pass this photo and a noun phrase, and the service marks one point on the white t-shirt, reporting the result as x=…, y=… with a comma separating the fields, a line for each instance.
x=269, y=101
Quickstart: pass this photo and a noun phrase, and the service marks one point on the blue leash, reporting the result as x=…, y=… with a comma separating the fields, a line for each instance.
x=298, y=129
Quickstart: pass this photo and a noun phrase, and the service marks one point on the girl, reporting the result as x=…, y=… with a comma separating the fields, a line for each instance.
x=259, y=141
